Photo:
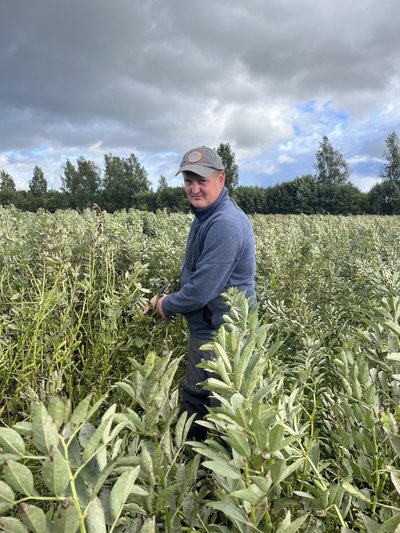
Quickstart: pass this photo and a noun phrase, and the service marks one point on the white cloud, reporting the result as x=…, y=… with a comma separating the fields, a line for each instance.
x=283, y=158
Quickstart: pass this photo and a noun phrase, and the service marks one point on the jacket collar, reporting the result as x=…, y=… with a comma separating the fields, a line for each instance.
x=202, y=213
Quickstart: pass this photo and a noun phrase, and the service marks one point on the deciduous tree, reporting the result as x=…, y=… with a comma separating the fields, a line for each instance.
x=330, y=165
x=125, y=179
x=391, y=169
x=38, y=183
x=82, y=184
x=231, y=168
x=7, y=188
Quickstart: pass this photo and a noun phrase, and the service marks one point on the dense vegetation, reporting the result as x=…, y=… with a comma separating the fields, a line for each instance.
x=123, y=184
x=306, y=437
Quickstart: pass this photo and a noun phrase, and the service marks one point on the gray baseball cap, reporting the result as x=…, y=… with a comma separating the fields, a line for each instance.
x=202, y=161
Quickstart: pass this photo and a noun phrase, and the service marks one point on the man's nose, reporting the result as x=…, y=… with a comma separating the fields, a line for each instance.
x=195, y=187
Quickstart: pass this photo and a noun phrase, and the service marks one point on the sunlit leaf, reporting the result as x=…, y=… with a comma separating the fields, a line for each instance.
x=12, y=525
x=222, y=468
x=19, y=477
x=121, y=490
x=33, y=517
x=11, y=441
x=44, y=430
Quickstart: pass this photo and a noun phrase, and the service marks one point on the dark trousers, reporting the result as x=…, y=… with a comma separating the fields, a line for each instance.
x=196, y=399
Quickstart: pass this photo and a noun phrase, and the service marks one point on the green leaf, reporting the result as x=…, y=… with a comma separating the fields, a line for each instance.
x=231, y=511
x=66, y=518
x=86, y=431
x=12, y=525
x=146, y=464
x=252, y=494
x=23, y=428
x=125, y=387
x=371, y=525
x=180, y=433
x=353, y=491
x=56, y=474
x=222, y=468
x=9, y=456
x=275, y=437
x=260, y=432
x=393, y=326
x=103, y=476
x=395, y=442
x=33, y=517
x=7, y=497
x=390, y=526
x=238, y=442
x=305, y=495
x=95, y=520
x=292, y=527
x=395, y=477
x=19, y=477
x=80, y=413
x=242, y=365
x=44, y=431
x=204, y=449
x=285, y=472
x=219, y=351
x=121, y=490
x=100, y=435
x=11, y=441
x=60, y=410
x=218, y=386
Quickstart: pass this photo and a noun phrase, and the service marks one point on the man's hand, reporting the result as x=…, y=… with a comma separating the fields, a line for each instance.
x=150, y=305
x=160, y=309
x=156, y=303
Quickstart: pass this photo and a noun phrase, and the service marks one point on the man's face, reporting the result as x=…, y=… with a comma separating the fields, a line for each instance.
x=202, y=192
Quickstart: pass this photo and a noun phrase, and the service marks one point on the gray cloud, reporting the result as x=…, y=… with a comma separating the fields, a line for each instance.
x=152, y=77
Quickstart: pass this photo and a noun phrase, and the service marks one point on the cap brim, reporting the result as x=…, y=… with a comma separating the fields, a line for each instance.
x=204, y=172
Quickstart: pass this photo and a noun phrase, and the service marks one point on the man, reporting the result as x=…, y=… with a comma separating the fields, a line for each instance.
x=219, y=254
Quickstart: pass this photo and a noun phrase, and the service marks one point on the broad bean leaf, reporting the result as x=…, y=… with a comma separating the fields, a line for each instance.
x=33, y=517
x=19, y=477
x=11, y=441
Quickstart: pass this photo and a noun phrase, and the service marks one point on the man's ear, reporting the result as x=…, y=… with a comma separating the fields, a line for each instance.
x=221, y=177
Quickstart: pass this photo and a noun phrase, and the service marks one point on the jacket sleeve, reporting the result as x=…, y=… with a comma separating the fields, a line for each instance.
x=221, y=252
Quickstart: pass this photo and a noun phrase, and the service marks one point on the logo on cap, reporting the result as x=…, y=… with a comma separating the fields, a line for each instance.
x=194, y=157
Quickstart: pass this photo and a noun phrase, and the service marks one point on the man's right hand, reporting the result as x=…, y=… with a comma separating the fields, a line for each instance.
x=151, y=305
x=156, y=303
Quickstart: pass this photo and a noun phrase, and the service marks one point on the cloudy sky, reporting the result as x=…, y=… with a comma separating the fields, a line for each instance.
x=158, y=77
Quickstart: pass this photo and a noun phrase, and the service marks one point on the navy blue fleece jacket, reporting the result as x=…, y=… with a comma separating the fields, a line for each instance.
x=219, y=254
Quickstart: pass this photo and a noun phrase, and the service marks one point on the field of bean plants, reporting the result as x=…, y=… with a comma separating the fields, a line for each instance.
x=306, y=436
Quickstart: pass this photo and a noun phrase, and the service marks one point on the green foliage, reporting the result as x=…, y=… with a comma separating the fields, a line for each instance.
x=173, y=199
x=231, y=167
x=302, y=195
x=330, y=166
x=384, y=198
x=67, y=466
x=124, y=179
x=303, y=432
x=38, y=183
x=391, y=169
x=81, y=184
x=7, y=188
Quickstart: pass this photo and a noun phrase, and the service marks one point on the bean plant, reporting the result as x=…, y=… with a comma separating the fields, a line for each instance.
x=303, y=432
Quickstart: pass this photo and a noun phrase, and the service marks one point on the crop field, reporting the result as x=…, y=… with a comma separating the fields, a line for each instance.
x=306, y=434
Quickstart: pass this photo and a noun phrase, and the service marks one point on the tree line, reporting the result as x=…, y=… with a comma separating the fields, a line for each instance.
x=123, y=184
